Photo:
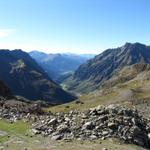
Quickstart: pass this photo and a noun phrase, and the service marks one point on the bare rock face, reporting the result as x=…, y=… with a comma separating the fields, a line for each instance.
x=97, y=123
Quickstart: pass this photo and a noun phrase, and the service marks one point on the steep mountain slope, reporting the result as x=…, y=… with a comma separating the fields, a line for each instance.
x=129, y=86
x=90, y=75
x=4, y=91
x=25, y=77
x=57, y=65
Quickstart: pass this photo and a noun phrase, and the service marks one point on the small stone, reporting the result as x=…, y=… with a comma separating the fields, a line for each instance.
x=52, y=121
x=62, y=128
x=56, y=137
x=34, y=131
x=104, y=148
x=103, y=138
x=3, y=133
x=104, y=133
x=112, y=125
x=93, y=137
x=149, y=135
x=88, y=125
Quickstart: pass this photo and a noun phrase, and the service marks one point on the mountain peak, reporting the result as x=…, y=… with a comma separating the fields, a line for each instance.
x=131, y=45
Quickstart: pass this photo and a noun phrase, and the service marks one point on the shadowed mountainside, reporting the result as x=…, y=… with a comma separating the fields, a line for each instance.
x=5, y=92
x=26, y=78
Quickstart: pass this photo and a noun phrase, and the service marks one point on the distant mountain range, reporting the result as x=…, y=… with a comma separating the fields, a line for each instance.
x=59, y=65
x=26, y=78
x=90, y=75
x=31, y=75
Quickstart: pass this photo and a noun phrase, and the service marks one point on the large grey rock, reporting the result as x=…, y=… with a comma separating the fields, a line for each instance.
x=56, y=137
x=3, y=133
x=88, y=126
x=52, y=121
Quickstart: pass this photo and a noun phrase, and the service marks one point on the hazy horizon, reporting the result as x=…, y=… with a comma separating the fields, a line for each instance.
x=80, y=27
x=67, y=52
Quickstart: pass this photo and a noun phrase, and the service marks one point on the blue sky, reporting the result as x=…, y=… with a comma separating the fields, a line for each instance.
x=78, y=26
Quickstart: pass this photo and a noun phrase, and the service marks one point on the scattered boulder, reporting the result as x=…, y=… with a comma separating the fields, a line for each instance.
x=88, y=126
x=56, y=137
x=34, y=131
x=3, y=133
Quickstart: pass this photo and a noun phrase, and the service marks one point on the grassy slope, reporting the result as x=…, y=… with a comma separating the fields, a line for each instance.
x=89, y=100
x=140, y=90
x=19, y=128
x=131, y=84
x=16, y=128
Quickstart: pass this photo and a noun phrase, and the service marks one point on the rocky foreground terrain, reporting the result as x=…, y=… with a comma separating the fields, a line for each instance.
x=99, y=123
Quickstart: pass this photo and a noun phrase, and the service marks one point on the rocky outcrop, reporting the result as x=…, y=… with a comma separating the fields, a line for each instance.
x=13, y=110
x=113, y=121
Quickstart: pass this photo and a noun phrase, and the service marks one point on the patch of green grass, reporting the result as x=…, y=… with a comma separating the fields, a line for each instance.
x=87, y=101
x=3, y=138
x=19, y=127
x=140, y=89
x=45, y=143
